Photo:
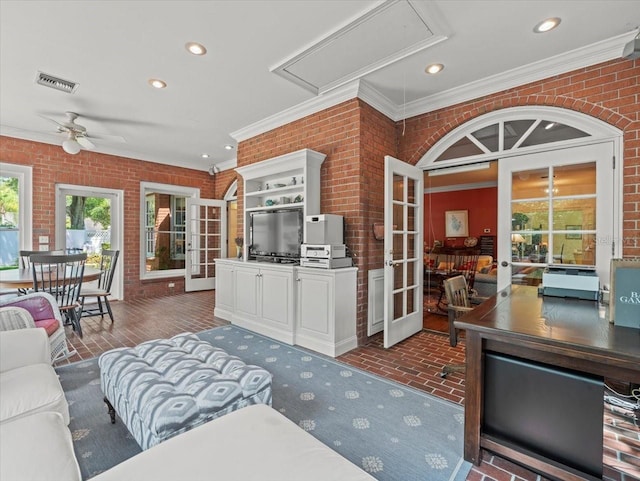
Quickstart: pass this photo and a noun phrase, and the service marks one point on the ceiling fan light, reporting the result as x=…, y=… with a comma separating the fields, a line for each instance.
x=71, y=146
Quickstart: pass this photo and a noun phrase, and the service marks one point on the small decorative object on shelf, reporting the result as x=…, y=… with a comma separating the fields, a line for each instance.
x=267, y=186
x=293, y=181
x=298, y=198
x=239, y=243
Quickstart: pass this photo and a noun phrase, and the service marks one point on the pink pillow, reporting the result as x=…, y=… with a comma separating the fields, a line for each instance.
x=50, y=325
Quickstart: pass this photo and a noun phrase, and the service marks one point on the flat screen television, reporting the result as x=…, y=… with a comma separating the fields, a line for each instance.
x=276, y=233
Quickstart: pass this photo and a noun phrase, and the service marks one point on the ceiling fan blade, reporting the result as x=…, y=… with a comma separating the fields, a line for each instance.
x=61, y=127
x=85, y=143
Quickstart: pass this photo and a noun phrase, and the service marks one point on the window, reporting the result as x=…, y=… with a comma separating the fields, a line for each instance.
x=15, y=212
x=163, y=225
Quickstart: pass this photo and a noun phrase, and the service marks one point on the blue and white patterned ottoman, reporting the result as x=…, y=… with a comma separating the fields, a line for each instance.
x=165, y=387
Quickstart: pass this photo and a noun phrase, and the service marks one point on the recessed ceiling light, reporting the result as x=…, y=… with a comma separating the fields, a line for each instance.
x=157, y=83
x=228, y=147
x=205, y=156
x=546, y=25
x=434, y=68
x=196, y=48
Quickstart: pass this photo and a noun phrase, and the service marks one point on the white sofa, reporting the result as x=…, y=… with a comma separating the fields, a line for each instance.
x=250, y=444
x=35, y=443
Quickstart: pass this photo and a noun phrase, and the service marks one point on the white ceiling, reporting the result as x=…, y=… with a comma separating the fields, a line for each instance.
x=241, y=87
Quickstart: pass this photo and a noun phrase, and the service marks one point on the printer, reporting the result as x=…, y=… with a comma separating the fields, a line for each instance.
x=565, y=280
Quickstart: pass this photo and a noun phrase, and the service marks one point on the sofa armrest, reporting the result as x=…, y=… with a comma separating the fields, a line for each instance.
x=24, y=347
x=41, y=305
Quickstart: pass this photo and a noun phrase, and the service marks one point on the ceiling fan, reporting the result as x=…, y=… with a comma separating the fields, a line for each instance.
x=77, y=136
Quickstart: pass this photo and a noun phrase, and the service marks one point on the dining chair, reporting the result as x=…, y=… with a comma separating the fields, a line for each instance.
x=459, y=302
x=61, y=276
x=102, y=291
x=25, y=263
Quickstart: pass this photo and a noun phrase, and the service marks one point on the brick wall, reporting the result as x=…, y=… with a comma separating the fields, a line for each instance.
x=51, y=166
x=609, y=91
x=355, y=138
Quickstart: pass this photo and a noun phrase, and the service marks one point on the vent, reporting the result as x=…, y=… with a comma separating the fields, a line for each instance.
x=56, y=83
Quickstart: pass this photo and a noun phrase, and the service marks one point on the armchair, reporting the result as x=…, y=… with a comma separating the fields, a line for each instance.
x=38, y=309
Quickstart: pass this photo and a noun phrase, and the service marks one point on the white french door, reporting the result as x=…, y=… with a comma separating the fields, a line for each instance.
x=556, y=207
x=205, y=231
x=403, y=250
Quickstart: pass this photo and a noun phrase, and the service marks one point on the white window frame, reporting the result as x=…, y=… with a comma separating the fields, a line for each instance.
x=24, y=175
x=150, y=223
x=147, y=188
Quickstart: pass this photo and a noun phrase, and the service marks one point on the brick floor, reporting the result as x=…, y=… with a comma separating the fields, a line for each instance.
x=416, y=362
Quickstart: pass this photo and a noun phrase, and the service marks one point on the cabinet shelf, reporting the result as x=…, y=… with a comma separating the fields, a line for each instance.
x=292, y=205
x=276, y=190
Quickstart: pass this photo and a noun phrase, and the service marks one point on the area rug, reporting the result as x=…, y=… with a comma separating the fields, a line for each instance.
x=390, y=430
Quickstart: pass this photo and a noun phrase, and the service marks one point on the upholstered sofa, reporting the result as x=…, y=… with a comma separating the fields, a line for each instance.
x=252, y=443
x=35, y=442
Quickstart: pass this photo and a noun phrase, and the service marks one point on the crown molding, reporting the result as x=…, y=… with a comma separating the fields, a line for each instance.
x=579, y=58
x=308, y=107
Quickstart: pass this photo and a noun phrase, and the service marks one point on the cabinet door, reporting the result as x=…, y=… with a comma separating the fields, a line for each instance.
x=315, y=305
x=247, y=292
x=224, y=290
x=276, y=300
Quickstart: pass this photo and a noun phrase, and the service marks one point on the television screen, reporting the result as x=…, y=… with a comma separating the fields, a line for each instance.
x=276, y=233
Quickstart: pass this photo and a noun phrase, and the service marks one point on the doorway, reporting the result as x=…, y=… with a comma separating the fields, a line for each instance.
x=89, y=219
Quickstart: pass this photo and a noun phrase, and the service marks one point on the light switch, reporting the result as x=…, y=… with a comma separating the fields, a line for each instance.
x=43, y=247
x=43, y=239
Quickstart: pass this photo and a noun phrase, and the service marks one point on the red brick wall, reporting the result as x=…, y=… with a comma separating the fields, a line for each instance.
x=345, y=178
x=609, y=91
x=51, y=166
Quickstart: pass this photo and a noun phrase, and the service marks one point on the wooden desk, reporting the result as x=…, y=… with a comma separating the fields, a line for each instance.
x=23, y=278
x=565, y=333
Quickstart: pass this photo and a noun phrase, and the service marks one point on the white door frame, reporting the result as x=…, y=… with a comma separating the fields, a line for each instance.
x=117, y=224
x=193, y=237
x=407, y=323
x=602, y=154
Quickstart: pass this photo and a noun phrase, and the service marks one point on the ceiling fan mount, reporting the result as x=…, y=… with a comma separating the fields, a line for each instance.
x=77, y=136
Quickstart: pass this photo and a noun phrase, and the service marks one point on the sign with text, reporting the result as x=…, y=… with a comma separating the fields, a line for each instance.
x=624, y=301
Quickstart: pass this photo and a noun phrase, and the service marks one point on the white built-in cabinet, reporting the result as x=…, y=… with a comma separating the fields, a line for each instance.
x=326, y=310
x=264, y=299
x=310, y=307
x=290, y=181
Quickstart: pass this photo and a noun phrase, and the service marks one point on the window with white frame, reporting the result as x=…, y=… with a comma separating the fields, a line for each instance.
x=163, y=224
x=15, y=212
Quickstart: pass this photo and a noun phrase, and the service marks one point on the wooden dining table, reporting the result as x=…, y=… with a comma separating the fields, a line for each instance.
x=23, y=278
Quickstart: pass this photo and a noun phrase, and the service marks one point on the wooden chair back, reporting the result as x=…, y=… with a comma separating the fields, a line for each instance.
x=61, y=276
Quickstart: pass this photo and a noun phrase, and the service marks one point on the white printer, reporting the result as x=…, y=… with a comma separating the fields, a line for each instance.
x=565, y=280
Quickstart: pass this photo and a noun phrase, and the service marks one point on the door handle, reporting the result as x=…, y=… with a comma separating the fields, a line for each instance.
x=504, y=264
x=390, y=263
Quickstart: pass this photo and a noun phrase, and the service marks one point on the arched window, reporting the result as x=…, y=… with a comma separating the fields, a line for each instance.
x=515, y=131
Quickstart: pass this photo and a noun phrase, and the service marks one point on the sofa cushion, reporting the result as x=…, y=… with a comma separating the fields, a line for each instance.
x=49, y=325
x=31, y=389
x=255, y=443
x=23, y=460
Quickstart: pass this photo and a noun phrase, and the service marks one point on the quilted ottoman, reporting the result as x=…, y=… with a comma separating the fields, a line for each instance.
x=165, y=387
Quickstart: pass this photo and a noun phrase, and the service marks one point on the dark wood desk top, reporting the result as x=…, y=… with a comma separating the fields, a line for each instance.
x=523, y=315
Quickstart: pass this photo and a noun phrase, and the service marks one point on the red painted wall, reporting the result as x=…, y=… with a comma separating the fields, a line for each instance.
x=482, y=207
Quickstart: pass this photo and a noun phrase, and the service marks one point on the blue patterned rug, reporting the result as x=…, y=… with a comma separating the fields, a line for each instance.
x=390, y=430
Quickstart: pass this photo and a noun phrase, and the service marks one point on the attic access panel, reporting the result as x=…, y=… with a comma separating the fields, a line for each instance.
x=383, y=35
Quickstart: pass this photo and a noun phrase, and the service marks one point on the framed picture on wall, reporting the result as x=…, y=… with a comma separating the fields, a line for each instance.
x=456, y=223
x=573, y=236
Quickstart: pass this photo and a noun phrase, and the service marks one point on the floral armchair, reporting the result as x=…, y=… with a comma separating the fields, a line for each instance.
x=38, y=309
